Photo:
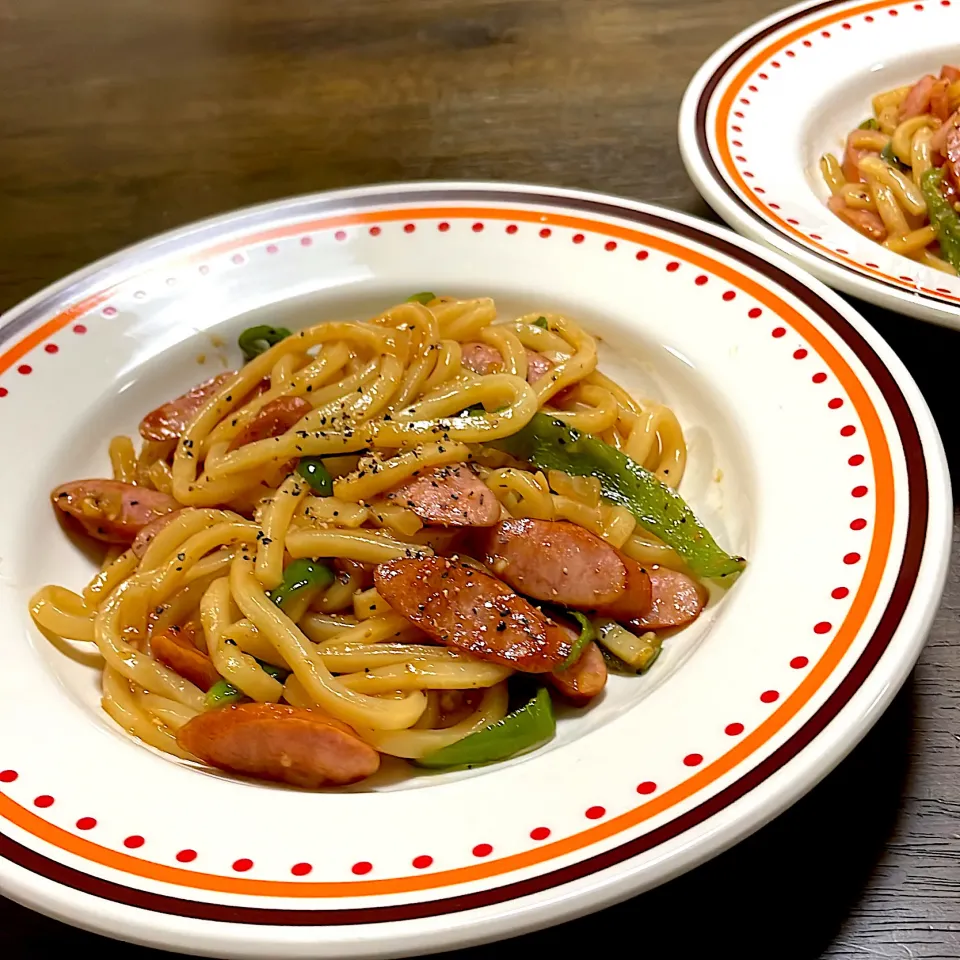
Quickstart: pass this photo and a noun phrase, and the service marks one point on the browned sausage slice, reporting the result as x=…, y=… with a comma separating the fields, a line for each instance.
x=584, y=680
x=483, y=359
x=636, y=598
x=449, y=496
x=273, y=741
x=111, y=510
x=175, y=648
x=170, y=419
x=676, y=599
x=466, y=608
x=556, y=561
x=272, y=420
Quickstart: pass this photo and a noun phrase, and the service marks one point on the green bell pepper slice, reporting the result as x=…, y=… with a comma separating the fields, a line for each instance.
x=942, y=216
x=527, y=727
x=315, y=472
x=587, y=635
x=549, y=444
x=256, y=340
x=869, y=124
x=302, y=574
x=423, y=298
x=223, y=693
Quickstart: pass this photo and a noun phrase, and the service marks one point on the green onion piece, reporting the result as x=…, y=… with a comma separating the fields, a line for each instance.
x=635, y=652
x=274, y=671
x=302, y=574
x=423, y=298
x=521, y=730
x=315, y=472
x=869, y=124
x=540, y=322
x=256, y=340
x=587, y=635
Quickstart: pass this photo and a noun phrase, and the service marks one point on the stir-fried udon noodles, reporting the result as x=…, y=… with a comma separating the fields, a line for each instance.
x=899, y=180
x=403, y=536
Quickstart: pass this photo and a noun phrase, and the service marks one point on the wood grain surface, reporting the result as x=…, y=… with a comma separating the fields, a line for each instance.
x=122, y=118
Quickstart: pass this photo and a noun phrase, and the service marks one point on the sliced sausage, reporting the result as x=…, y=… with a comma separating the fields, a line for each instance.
x=918, y=99
x=584, y=680
x=480, y=357
x=556, y=561
x=111, y=510
x=274, y=741
x=449, y=496
x=145, y=537
x=864, y=221
x=636, y=597
x=676, y=599
x=940, y=100
x=175, y=648
x=465, y=608
x=951, y=151
x=272, y=420
x=170, y=419
x=483, y=359
x=851, y=161
x=950, y=73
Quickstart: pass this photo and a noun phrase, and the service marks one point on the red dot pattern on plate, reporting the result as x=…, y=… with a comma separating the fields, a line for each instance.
x=24, y=369
x=733, y=729
x=422, y=862
x=859, y=491
x=482, y=850
x=364, y=866
x=693, y=760
x=545, y=232
x=595, y=813
x=769, y=696
x=109, y=311
x=823, y=627
x=204, y=269
x=799, y=354
x=51, y=348
x=858, y=524
x=673, y=266
x=79, y=328
x=856, y=460
x=610, y=245
x=44, y=800
x=839, y=593
x=539, y=833
x=729, y=295
x=477, y=227
x=133, y=842
x=647, y=787
x=512, y=228
x=754, y=312
x=242, y=865
x=819, y=377
x=342, y=234
x=236, y=258
x=443, y=227
x=272, y=248
x=778, y=332
x=642, y=254
x=306, y=241
x=835, y=403
x=798, y=663
x=701, y=280
x=578, y=238
x=301, y=869
x=186, y=856
x=851, y=558
x=4, y=391
x=86, y=823
x=848, y=431
x=409, y=227
x=8, y=776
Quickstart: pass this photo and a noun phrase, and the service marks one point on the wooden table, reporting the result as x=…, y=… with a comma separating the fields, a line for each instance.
x=121, y=118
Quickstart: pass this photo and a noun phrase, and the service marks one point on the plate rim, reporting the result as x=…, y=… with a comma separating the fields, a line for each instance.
x=931, y=589
x=702, y=168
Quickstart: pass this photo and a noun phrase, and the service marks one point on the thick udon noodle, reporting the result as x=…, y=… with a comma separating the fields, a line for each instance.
x=394, y=388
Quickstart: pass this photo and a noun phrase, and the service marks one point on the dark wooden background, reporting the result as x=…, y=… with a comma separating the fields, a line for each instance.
x=121, y=118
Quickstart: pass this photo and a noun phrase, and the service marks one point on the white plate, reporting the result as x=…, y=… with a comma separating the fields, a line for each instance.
x=762, y=110
x=811, y=451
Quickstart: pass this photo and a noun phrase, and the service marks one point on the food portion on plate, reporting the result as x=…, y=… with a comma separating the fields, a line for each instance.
x=898, y=182
x=400, y=537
